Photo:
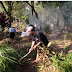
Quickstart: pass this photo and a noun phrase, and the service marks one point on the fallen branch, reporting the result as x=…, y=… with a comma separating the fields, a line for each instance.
x=25, y=55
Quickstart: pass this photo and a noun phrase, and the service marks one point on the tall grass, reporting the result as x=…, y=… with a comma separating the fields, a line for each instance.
x=8, y=58
x=63, y=62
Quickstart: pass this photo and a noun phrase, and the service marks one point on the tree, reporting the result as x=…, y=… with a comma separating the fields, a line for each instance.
x=33, y=9
x=9, y=4
x=66, y=15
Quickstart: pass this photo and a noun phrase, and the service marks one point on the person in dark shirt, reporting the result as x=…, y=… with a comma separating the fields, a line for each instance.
x=37, y=39
x=12, y=34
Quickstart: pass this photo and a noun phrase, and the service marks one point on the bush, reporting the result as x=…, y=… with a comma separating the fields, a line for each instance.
x=8, y=58
x=63, y=62
x=59, y=61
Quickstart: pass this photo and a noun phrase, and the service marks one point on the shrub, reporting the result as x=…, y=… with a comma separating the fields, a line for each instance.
x=63, y=62
x=59, y=61
x=45, y=59
x=8, y=58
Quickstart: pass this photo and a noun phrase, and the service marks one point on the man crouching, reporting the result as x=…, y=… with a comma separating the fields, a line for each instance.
x=37, y=39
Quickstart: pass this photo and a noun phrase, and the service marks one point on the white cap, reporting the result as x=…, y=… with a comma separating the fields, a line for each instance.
x=29, y=28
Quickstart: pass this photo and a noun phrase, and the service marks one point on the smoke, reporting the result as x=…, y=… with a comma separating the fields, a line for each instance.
x=23, y=34
x=48, y=16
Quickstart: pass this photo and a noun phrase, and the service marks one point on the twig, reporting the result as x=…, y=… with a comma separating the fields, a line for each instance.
x=24, y=56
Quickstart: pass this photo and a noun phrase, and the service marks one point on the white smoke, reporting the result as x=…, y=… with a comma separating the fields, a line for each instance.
x=48, y=15
x=23, y=34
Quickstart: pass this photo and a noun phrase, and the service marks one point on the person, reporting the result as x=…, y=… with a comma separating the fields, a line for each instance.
x=37, y=39
x=36, y=29
x=12, y=34
x=31, y=25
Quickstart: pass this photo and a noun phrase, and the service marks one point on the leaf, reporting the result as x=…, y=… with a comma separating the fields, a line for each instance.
x=49, y=44
x=53, y=52
x=47, y=66
x=41, y=68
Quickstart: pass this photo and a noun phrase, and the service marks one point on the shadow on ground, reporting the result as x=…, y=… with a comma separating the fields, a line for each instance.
x=26, y=68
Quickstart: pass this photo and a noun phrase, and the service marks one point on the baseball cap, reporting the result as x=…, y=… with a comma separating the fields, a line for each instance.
x=30, y=28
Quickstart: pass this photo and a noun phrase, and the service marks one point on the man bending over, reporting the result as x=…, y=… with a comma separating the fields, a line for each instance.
x=37, y=39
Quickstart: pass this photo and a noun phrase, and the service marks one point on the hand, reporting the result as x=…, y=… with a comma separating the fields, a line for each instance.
x=35, y=47
x=30, y=49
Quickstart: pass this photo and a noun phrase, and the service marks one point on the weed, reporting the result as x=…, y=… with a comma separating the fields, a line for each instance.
x=8, y=58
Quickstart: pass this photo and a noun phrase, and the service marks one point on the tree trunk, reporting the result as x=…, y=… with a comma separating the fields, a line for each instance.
x=32, y=6
x=33, y=10
x=3, y=7
x=10, y=11
x=57, y=16
x=66, y=18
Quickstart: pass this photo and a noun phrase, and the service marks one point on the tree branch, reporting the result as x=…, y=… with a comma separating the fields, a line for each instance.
x=33, y=9
x=4, y=7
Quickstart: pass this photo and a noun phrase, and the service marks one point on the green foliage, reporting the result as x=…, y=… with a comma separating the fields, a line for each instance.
x=24, y=17
x=1, y=9
x=49, y=3
x=19, y=11
x=45, y=58
x=57, y=3
x=70, y=35
x=8, y=58
x=63, y=63
x=59, y=60
x=69, y=57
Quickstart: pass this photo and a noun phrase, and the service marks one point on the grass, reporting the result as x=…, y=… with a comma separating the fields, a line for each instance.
x=8, y=58
x=59, y=62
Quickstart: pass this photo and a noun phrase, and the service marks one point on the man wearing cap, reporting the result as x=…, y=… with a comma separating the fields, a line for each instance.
x=36, y=29
x=37, y=39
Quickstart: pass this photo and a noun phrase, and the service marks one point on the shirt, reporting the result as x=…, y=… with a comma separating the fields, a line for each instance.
x=40, y=37
x=37, y=29
x=12, y=29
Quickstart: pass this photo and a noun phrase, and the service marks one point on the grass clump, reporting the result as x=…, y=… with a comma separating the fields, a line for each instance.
x=8, y=58
x=62, y=62
x=55, y=61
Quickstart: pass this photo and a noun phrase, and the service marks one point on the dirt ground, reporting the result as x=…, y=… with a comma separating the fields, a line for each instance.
x=25, y=43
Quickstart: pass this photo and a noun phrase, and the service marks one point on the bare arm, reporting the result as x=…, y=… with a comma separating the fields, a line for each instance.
x=37, y=45
x=33, y=43
x=9, y=30
x=32, y=46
